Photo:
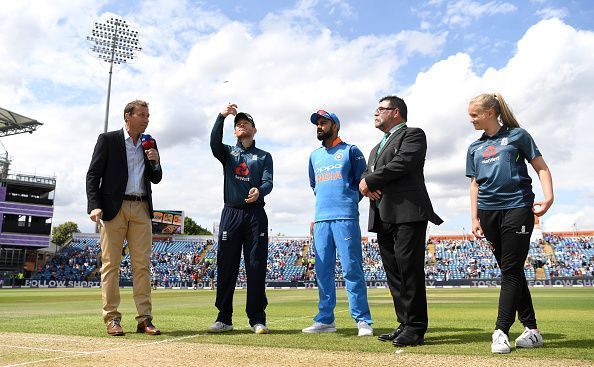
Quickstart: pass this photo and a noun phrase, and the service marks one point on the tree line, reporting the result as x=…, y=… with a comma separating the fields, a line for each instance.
x=63, y=232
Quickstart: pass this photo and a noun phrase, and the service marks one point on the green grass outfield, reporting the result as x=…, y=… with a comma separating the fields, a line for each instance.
x=461, y=320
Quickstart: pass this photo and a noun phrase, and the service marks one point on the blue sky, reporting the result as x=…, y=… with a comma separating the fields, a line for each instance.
x=285, y=59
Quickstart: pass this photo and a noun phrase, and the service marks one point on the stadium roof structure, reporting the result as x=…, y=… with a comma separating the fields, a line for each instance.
x=12, y=123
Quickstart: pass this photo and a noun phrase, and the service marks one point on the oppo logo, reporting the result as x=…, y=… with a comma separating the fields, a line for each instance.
x=328, y=168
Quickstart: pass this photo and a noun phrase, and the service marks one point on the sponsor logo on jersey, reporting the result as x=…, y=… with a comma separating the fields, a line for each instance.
x=242, y=169
x=489, y=155
x=489, y=152
x=241, y=172
x=504, y=141
x=328, y=168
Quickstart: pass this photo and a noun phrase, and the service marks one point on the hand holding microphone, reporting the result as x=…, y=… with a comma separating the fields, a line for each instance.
x=149, y=145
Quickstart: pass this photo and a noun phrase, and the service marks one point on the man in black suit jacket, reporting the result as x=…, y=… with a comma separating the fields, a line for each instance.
x=120, y=202
x=399, y=211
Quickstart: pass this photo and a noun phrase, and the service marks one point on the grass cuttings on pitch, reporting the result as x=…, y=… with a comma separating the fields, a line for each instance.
x=461, y=320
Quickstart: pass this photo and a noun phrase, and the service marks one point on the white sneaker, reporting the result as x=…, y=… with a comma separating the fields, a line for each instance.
x=219, y=327
x=260, y=329
x=529, y=339
x=500, y=343
x=364, y=329
x=318, y=327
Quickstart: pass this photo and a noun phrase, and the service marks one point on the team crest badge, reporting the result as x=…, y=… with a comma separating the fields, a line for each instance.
x=338, y=156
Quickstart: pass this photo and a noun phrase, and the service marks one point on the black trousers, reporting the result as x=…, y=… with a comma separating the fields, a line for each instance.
x=402, y=248
x=509, y=233
x=247, y=229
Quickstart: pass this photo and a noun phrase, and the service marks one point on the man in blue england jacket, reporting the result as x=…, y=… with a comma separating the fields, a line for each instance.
x=335, y=170
x=244, y=224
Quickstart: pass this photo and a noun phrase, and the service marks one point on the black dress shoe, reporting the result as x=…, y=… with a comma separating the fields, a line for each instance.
x=408, y=338
x=391, y=336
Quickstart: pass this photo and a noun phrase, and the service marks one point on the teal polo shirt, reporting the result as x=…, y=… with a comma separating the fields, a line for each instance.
x=498, y=163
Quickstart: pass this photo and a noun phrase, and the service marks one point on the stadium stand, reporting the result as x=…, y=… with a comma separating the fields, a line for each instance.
x=75, y=262
x=184, y=261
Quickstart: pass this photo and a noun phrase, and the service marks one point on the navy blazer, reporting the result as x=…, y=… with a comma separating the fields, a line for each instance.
x=398, y=173
x=107, y=176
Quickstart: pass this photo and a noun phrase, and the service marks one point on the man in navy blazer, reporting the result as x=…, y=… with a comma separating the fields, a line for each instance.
x=120, y=202
x=399, y=212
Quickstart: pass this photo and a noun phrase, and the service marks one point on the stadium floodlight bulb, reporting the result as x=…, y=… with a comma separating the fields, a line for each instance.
x=113, y=42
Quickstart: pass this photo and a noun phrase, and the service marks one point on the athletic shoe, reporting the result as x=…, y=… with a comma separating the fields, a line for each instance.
x=318, y=327
x=500, y=343
x=529, y=339
x=364, y=329
x=219, y=327
x=260, y=329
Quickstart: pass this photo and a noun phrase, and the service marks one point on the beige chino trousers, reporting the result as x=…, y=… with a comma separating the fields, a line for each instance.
x=132, y=223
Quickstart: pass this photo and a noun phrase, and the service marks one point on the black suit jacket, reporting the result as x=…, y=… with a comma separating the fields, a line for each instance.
x=108, y=175
x=398, y=173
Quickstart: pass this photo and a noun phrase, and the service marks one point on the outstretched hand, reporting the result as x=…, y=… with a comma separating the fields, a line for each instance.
x=230, y=109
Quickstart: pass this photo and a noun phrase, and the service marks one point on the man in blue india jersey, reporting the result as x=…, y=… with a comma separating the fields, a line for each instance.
x=335, y=170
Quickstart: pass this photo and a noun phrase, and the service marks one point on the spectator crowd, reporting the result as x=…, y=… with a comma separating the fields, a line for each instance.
x=190, y=262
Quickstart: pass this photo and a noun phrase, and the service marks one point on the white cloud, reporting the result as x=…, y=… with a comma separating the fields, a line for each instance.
x=280, y=70
x=581, y=219
x=547, y=83
x=341, y=9
x=462, y=13
x=550, y=12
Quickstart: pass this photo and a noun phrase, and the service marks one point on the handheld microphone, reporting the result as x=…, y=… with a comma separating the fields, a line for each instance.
x=148, y=142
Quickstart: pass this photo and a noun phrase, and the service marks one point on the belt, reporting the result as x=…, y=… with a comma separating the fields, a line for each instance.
x=135, y=198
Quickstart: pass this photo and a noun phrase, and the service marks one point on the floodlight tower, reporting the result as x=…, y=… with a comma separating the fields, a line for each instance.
x=113, y=42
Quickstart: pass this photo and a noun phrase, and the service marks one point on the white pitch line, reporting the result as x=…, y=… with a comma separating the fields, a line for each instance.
x=85, y=354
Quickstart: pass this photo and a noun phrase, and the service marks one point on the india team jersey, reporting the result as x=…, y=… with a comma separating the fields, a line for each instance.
x=499, y=165
x=334, y=175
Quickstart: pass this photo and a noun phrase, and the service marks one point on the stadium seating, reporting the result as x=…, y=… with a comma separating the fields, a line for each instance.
x=176, y=261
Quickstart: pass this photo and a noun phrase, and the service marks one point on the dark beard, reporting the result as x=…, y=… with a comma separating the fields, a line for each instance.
x=324, y=135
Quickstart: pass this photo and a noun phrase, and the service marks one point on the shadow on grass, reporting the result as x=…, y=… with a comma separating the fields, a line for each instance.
x=438, y=336
x=558, y=341
x=453, y=336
